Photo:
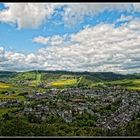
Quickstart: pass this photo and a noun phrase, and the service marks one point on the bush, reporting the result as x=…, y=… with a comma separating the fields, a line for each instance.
x=23, y=93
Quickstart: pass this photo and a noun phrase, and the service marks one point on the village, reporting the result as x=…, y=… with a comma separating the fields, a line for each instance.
x=111, y=106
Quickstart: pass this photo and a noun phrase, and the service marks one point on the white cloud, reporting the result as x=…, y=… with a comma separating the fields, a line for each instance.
x=26, y=15
x=32, y=15
x=124, y=18
x=99, y=48
x=2, y=57
x=1, y=50
x=41, y=40
x=75, y=12
x=103, y=47
x=134, y=24
x=136, y=6
x=53, y=40
x=56, y=40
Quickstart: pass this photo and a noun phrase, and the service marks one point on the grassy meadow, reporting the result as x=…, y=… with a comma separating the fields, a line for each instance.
x=64, y=83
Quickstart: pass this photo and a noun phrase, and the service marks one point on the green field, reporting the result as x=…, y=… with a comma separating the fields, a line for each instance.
x=14, y=89
x=4, y=85
x=64, y=82
x=36, y=81
x=132, y=84
x=38, y=78
x=4, y=111
x=32, y=79
x=13, y=96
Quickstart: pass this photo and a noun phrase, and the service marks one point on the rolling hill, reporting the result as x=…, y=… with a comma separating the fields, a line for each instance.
x=68, y=78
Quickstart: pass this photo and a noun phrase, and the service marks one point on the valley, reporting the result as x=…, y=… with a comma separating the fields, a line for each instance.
x=85, y=104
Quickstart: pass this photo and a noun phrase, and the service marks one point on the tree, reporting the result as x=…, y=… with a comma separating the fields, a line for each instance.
x=15, y=127
x=5, y=117
x=33, y=119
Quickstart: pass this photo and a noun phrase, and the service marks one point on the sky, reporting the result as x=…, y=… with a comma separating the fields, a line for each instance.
x=95, y=37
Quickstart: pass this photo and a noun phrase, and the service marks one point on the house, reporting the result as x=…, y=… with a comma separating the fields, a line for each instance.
x=38, y=94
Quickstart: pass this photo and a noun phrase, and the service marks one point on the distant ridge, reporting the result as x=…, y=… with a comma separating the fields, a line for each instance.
x=96, y=76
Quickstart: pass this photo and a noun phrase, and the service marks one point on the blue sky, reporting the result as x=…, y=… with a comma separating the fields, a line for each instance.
x=49, y=28
x=17, y=34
